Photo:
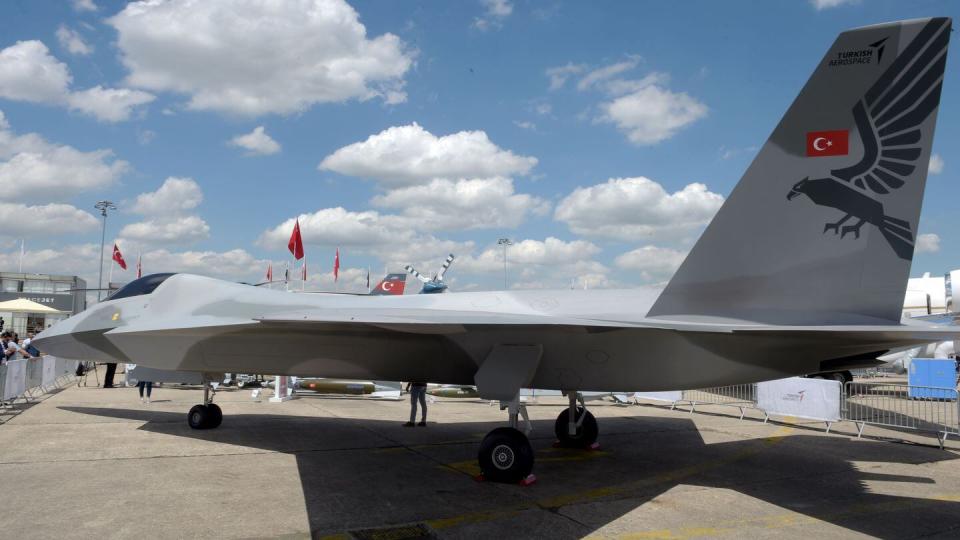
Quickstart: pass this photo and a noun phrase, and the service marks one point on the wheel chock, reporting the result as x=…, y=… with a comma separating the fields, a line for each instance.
x=528, y=481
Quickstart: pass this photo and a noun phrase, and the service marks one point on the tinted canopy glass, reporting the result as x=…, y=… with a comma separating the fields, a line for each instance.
x=137, y=287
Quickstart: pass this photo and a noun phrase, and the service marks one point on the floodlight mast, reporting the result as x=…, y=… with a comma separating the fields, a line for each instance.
x=505, y=242
x=103, y=206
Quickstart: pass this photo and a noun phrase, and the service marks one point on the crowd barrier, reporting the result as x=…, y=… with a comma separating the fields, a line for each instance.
x=28, y=378
x=892, y=406
x=742, y=396
x=887, y=405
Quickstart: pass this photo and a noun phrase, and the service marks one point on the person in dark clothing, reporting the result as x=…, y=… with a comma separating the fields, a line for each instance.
x=418, y=392
x=108, y=377
x=148, y=385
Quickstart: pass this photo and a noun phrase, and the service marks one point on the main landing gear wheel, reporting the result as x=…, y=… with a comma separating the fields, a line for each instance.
x=587, y=430
x=205, y=416
x=505, y=456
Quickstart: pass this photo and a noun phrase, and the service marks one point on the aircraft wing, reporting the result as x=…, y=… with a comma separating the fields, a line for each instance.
x=430, y=321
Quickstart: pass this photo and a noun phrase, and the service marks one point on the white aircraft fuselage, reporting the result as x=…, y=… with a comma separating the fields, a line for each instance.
x=591, y=340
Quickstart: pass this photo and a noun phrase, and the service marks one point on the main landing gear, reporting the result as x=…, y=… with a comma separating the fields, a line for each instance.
x=506, y=455
x=575, y=426
x=206, y=415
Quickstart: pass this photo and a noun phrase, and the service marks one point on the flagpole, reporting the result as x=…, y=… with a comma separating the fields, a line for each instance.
x=303, y=283
x=110, y=275
x=20, y=269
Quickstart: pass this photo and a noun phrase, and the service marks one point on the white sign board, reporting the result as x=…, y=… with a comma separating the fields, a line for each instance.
x=672, y=396
x=16, y=383
x=815, y=399
x=49, y=371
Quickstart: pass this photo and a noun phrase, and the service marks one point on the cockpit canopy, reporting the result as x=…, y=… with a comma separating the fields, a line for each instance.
x=138, y=287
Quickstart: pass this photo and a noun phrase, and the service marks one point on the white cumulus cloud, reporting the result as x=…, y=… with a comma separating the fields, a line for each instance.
x=28, y=72
x=256, y=143
x=652, y=113
x=108, y=104
x=652, y=262
x=408, y=155
x=633, y=208
x=167, y=230
x=42, y=221
x=176, y=195
x=72, y=41
x=259, y=56
x=927, y=243
x=495, y=11
x=169, y=220
x=34, y=169
x=478, y=203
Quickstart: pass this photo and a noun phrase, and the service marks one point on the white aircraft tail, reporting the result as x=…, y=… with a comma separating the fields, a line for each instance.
x=822, y=226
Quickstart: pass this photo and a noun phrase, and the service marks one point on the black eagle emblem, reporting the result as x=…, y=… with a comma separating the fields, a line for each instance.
x=888, y=118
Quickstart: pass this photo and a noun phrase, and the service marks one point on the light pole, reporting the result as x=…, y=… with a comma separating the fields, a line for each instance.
x=103, y=206
x=505, y=242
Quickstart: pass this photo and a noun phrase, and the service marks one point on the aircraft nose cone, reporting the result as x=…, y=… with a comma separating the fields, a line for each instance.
x=80, y=338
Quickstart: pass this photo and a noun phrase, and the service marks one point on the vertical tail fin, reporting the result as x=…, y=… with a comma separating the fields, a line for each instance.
x=821, y=227
x=392, y=284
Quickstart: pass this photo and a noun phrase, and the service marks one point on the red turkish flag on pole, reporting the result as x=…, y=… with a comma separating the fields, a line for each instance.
x=139, y=267
x=117, y=256
x=296, y=242
x=336, y=265
x=270, y=272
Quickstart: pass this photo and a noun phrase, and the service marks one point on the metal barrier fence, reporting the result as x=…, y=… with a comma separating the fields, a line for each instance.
x=28, y=378
x=888, y=405
x=901, y=406
x=742, y=396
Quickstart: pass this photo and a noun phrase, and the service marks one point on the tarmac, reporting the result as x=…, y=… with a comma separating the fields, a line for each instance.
x=86, y=462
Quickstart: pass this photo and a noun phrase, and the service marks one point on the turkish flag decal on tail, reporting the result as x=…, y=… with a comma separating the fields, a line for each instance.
x=117, y=256
x=828, y=143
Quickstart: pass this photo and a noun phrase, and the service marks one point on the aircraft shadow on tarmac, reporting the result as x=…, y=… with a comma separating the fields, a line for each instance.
x=359, y=474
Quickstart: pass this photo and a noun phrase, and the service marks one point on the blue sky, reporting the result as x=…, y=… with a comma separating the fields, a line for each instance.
x=600, y=138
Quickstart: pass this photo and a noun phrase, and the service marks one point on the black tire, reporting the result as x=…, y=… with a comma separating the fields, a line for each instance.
x=505, y=456
x=216, y=416
x=198, y=417
x=586, y=434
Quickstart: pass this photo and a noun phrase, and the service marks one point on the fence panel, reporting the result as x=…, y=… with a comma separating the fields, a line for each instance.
x=890, y=405
x=742, y=396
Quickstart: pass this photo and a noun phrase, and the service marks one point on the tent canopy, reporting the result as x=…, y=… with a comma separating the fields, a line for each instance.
x=22, y=305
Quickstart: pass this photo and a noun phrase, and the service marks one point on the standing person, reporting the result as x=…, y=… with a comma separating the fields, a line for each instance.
x=149, y=387
x=108, y=377
x=418, y=392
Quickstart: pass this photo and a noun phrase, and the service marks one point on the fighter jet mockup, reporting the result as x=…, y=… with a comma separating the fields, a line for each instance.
x=765, y=293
